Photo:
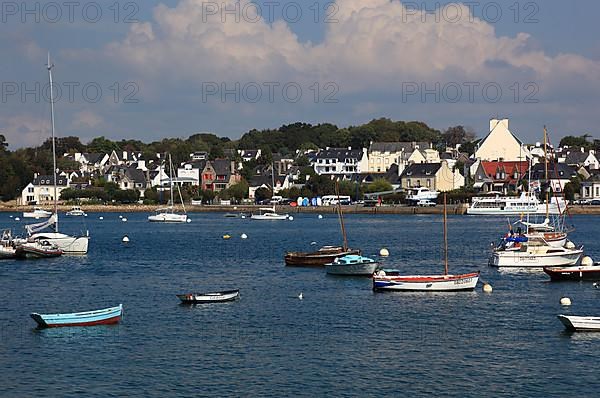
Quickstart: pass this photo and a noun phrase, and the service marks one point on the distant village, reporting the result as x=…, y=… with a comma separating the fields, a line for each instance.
x=500, y=163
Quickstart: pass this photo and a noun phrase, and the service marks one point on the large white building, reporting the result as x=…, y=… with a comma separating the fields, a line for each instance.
x=501, y=144
x=41, y=189
x=340, y=161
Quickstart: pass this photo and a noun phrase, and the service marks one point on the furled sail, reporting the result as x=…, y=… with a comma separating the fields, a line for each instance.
x=34, y=228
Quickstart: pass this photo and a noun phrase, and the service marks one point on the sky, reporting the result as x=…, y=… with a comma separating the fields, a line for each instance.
x=153, y=69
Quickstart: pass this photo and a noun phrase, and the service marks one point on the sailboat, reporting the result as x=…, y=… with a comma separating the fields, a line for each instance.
x=68, y=244
x=326, y=254
x=268, y=213
x=543, y=244
x=168, y=214
x=392, y=280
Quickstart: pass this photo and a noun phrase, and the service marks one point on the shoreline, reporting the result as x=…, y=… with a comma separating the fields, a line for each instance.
x=460, y=209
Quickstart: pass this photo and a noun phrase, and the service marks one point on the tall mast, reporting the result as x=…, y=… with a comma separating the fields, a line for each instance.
x=445, y=237
x=341, y=216
x=49, y=66
x=171, y=180
x=546, y=171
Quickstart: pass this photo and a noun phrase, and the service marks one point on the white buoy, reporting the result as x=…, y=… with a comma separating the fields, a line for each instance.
x=570, y=245
x=300, y=296
x=189, y=220
x=100, y=218
x=10, y=216
x=384, y=252
x=120, y=216
x=587, y=261
x=243, y=216
x=17, y=219
x=487, y=288
x=244, y=236
x=125, y=239
x=320, y=216
x=565, y=301
x=291, y=218
x=313, y=243
x=124, y=219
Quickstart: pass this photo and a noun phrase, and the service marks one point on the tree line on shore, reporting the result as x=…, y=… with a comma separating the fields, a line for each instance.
x=17, y=167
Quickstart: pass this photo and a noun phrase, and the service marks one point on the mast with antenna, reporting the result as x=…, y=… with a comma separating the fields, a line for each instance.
x=49, y=66
x=546, y=172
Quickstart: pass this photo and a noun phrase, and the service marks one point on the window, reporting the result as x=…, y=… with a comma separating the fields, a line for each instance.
x=428, y=183
x=408, y=182
x=30, y=189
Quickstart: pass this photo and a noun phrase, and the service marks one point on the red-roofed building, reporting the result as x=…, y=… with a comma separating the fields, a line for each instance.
x=500, y=176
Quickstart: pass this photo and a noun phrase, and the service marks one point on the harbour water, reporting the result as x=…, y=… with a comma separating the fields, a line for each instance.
x=341, y=339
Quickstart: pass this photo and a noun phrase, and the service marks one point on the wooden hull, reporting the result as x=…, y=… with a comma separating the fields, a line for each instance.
x=316, y=259
x=426, y=283
x=204, y=298
x=36, y=251
x=573, y=273
x=580, y=323
x=105, y=316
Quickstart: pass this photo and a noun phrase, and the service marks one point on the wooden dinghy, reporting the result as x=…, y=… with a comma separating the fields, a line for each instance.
x=213, y=297
x=104, y=316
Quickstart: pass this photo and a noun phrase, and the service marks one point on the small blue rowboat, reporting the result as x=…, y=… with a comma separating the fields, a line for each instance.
x=105, y=316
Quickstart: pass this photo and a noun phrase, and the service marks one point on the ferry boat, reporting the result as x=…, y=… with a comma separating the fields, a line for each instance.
x=514, y=206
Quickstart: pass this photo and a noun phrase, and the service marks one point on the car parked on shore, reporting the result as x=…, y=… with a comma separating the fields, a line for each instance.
x=426, y=203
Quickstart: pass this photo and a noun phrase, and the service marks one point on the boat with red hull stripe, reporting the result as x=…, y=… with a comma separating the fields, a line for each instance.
x=106, y=316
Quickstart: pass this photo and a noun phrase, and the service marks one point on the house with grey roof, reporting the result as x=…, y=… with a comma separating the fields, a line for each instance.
x=435, y=176
x=41, y=190
x=340, y=162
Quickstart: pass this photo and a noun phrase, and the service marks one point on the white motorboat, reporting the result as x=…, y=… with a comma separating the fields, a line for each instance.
x=37, y=212
x=415, y=195
x=535, y=253
x=168, y=214
x=76, y=212
x=352, y=265
x=214, y=297
x=268, y=213
x=580, y=323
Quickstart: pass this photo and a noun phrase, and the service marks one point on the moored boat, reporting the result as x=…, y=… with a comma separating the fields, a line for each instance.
x=104, y=316
x=352, y=265
x=37, y=249
x=580, y=323
x=268, y=213
x=324, y=255
x=76, y=212
x=392, y=280
x=7, y=252
x=535, y=253
x=214, y=297
x=575, y=273
x=37, y=212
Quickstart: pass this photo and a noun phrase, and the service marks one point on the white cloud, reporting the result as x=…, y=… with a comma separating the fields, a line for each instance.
x=24, y=130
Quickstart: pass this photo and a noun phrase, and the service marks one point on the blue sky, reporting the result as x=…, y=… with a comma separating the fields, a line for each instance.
x=167, y=74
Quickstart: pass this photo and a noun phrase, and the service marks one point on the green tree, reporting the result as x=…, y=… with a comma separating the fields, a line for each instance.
x=239, y=191
x=379, y=185
x=578, y=142
x=262, y=193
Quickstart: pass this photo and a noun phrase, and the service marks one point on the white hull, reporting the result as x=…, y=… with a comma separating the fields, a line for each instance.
x=36, y=214
x=76, y=214
x=525, y=259
x=425, y=283
x=515, y=210
x=353, y=269
x=269, y=217
x=582, y=323
x=68, y=244
x=168, y=217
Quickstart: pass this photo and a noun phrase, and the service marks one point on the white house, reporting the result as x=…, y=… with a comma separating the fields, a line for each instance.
x=340, y=161
x=501, y=144
x=41, y=189
x=590, y=188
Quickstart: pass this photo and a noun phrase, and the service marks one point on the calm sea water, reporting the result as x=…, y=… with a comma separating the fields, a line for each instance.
x=341, y=340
